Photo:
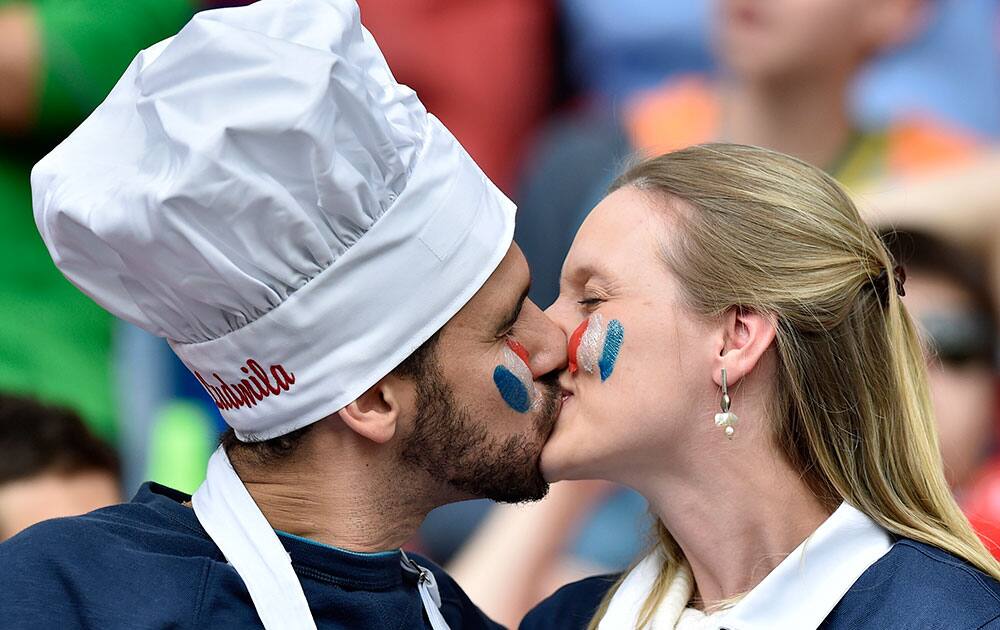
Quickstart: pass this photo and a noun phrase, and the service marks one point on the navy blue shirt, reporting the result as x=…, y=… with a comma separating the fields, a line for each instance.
x=912, y=587
x=149, y=564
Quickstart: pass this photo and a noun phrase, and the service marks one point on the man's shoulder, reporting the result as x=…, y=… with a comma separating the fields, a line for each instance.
x=127, y=526
x=926, y=586
x=63, y=540
x=571, y=607
x=459, y=611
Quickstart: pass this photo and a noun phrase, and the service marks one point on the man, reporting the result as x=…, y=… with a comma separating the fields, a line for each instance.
x=340, y=277
x=52, y=465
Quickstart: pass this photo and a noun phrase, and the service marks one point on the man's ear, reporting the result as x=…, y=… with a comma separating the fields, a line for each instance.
x=746, y=336
x=375, y=414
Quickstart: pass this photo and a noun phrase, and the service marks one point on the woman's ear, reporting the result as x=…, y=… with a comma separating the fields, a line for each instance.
x=375, y=414
x=746, y=336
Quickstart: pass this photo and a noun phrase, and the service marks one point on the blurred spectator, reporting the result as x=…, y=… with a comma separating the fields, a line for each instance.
x=981, y=502
x=962, y=204
x=951, y=70
x=58, y=60
x=959, y=203
x=947, y=295
x=483, y=68
x=51, y=465
x=615, y=49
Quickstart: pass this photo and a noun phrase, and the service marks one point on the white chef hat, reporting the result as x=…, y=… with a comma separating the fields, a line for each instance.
x=260, y=191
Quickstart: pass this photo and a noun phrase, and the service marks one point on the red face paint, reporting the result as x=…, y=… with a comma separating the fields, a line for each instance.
x=574, y=345
x=520, y=351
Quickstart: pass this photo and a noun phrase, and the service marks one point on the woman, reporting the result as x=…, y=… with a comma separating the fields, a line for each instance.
x=739, y=355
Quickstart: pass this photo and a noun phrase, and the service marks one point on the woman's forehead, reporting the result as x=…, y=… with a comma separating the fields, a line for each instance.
x=621, y=230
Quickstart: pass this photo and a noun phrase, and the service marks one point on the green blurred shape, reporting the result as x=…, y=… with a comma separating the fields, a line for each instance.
x=180, y=444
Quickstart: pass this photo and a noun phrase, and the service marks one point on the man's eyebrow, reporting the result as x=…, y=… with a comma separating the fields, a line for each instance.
x=516, y=312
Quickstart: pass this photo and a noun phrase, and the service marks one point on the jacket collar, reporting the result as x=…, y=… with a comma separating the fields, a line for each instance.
x=797, y=595
x=801, y=591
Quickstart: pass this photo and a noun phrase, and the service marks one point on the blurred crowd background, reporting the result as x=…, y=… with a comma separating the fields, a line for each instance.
x=898, y=99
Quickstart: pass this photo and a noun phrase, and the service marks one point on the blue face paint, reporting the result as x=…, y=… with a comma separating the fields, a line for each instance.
x=513, y=378
x=612, y=346
x=512, y=390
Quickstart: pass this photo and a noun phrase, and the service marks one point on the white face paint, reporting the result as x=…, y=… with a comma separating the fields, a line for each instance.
x=588, y=354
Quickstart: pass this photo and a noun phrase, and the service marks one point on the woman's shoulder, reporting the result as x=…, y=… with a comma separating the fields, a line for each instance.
x=919, y=583
x=571, y=607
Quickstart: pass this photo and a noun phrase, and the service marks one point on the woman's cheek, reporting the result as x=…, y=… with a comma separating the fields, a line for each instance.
x=595, y=346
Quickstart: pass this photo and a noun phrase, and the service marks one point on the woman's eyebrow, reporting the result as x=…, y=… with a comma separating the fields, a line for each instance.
x=590, y=271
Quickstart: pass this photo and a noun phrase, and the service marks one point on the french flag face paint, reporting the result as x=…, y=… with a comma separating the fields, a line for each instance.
x=594, y=346
x=513, y=378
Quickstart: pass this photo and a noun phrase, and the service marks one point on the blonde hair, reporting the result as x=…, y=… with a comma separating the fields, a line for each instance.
x=763, y=231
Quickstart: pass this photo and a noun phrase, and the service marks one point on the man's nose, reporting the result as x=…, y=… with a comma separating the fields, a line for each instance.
x=548, y=341
x=562, y=317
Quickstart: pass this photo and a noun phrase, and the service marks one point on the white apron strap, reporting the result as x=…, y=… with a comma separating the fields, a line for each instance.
x=235, y=523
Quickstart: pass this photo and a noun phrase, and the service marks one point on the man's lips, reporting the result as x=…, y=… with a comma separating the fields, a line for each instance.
x=565, y=382
x=565, y=388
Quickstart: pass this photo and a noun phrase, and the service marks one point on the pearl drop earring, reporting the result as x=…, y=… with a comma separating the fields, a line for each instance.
x=727, y=418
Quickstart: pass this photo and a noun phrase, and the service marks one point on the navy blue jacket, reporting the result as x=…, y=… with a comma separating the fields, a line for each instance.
x=149, y=564
x=913, y=587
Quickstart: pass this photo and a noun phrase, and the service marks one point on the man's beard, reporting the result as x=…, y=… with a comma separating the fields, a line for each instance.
x=456, y=449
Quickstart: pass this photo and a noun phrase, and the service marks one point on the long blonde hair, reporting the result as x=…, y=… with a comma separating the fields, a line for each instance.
x=763, y=231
